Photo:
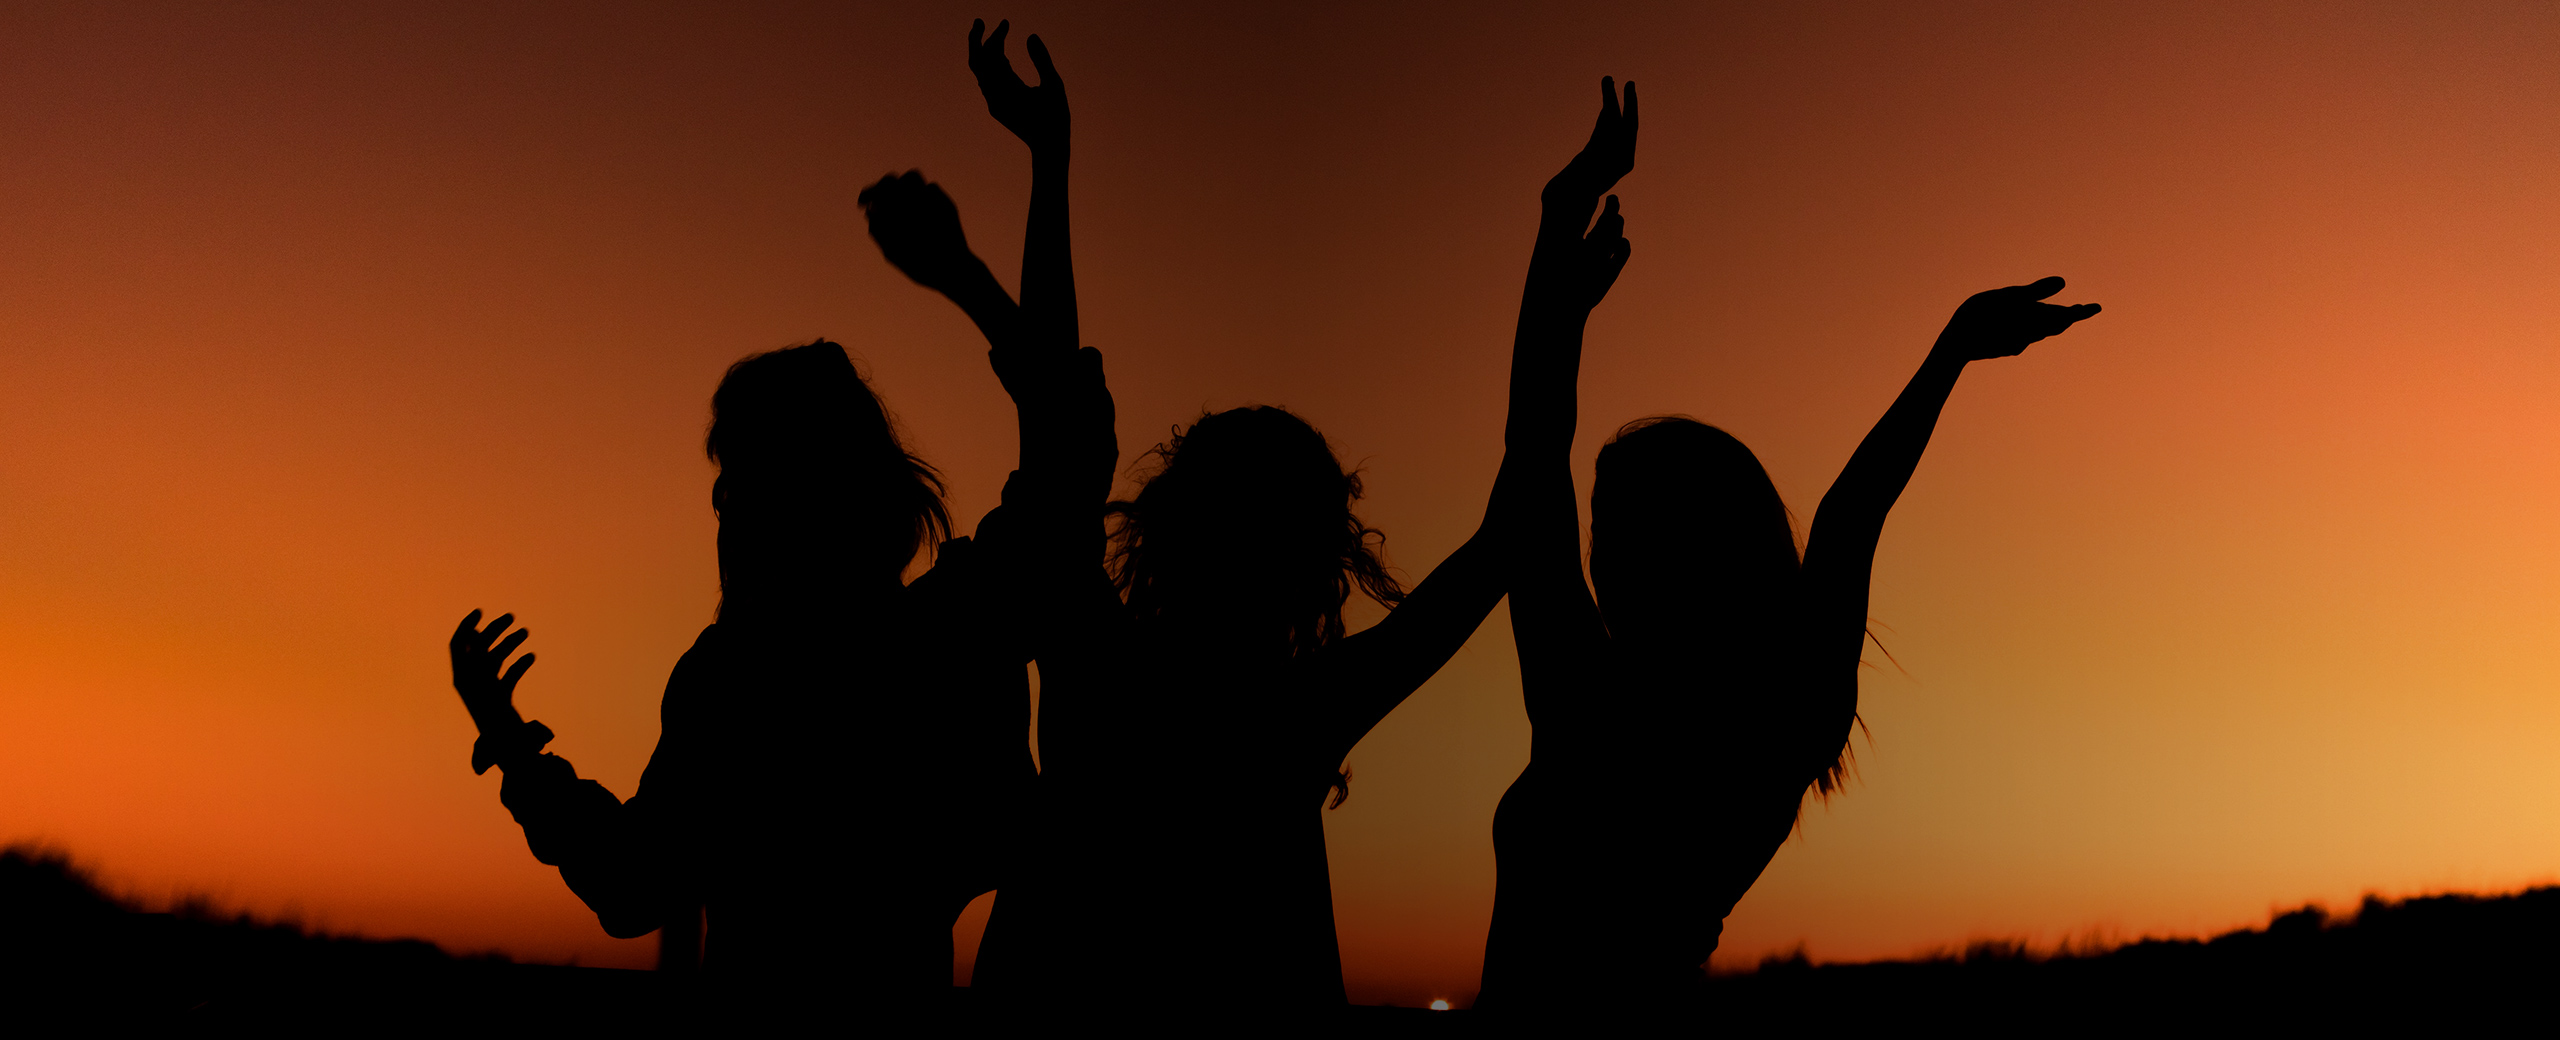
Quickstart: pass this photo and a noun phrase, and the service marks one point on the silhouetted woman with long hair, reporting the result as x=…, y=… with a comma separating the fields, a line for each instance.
x=1680, y=717
x=1191, y=737
x=843, y=758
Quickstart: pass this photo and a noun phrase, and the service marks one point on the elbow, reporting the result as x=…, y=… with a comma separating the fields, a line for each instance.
x=627, y=926
x=624, y=904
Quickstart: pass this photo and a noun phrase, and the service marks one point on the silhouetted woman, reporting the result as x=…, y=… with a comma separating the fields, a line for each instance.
x=1191, y=734
x=1680, y=718
x=843, y=754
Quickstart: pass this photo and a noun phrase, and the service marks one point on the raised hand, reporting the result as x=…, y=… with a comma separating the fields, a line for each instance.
x=1608, y=156
x=1593, y=268
x=1036, y=114
x=2001, y=322
x=918, y=230
x=1576, y=260
x=488, y=693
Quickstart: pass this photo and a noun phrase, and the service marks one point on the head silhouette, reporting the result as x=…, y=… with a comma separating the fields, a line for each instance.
x=1245, y=536
x=1692, y=559
x=1689, y=539
x=817, y=499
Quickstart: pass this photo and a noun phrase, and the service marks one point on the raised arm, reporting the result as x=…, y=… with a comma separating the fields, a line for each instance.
x=1048, y=530
x=1554, y=621
x=1038, y=115
x=596, y=839
x=1067, y=422
x=1571, y=267
x=918, y=231
x=1065, y=411
x=1532, y=513
x=1840, y=552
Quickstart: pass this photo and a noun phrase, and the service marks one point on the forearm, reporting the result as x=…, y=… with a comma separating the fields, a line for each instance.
x=988, y=306
x=1840, y=551
x=1546, y=344
x=1553, y=618
x=1883, y=464
x=1385, y=664
x=1049, y=384
x=1037, y=379
x=1048, y=261
x=580, y=827
x=1546, y=373
x=1439, y=614
x=1064, y=408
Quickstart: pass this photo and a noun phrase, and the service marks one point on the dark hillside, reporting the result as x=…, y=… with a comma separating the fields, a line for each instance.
x=69, y=948
x=2430, y=960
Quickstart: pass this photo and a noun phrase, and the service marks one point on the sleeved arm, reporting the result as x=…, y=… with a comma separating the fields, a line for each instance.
x=1034, y=555
x=617, y=856
x=577, y=825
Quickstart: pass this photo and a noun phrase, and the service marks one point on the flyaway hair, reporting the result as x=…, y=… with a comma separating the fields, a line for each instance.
x=813, y=476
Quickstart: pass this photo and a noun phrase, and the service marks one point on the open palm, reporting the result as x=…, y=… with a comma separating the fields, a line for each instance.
x=1608, y=156
x=480, y=672
x=2001, y=322
x=1036, y=113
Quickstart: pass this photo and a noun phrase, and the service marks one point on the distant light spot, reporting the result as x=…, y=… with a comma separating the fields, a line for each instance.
x=1439, y=1005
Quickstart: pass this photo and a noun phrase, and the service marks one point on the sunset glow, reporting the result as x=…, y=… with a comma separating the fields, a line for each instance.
x=325, y=324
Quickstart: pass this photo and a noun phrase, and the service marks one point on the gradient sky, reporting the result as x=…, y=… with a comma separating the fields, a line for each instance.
x=323, y=324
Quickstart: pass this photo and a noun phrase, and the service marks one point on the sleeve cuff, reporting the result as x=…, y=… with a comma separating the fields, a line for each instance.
x=507, y=745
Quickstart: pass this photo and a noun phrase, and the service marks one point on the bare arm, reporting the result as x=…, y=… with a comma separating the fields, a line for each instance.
x=1057, y=388
x=1045, y=534
x=1531, y=531
x=1038, y=115
x=1554, y=621
x=1066, y=414
x=1841, y=550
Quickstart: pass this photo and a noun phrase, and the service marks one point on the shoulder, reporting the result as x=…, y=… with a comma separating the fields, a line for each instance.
x=694, y=672
x=953, y=557
x=713, y=643
x=953, y=583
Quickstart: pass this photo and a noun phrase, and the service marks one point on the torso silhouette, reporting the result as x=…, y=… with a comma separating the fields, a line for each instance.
x=1660, y=784
x=832, y=787
x=1674, y=735
x=833, y=783
x=1184, y=792
x=1182, y=855
x=836, y=779
x=1677, y=733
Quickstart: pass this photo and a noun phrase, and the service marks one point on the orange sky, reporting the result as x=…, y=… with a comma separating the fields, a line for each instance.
x=323, y=325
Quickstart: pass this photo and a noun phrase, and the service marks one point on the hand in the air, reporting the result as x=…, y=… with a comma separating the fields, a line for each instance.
x=1609, y=154
x=1036, y=114
x=1599, y=257
x=2001, y=322
x=488, y=693
x=918, y=230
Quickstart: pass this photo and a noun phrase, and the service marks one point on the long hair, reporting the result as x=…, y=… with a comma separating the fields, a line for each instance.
x=815, y=487
x=1249, y=491
x=1688, y=531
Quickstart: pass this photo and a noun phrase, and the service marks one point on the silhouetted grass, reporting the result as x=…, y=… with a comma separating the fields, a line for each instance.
x=68, y=948
x=2433, y=959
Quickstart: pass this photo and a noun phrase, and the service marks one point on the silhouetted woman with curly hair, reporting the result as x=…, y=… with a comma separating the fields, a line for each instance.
x=1191, y=735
